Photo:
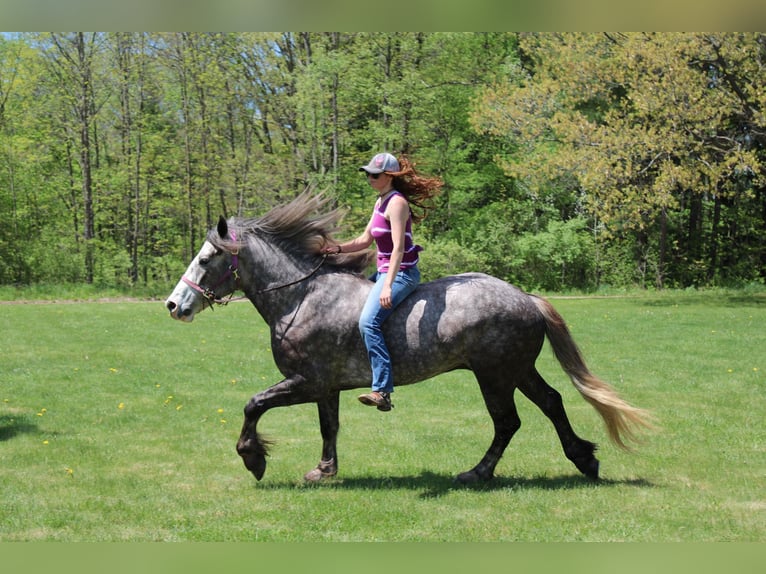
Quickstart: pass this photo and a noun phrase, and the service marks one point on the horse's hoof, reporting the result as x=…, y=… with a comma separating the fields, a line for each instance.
x=317, y=475
x=254, y=463
x=325, y=469
x=593, y=470
x=588, y=467
x=471, y=477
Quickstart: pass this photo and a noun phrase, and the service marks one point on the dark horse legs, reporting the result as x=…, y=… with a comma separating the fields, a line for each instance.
x=328, y=426
x=498, y=397
x=291, y=391
x=548, y=400
x=498, y=390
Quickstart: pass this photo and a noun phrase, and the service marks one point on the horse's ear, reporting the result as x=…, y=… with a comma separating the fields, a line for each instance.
x=223, y=227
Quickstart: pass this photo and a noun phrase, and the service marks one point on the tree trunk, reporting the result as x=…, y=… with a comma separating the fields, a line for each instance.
x=694, y=237
x=660, y=280
x=762, y=242
x=84, y=110
x=714, y=234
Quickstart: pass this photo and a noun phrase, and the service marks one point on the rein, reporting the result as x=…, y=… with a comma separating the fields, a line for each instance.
x=233, y=271
x=291, y=283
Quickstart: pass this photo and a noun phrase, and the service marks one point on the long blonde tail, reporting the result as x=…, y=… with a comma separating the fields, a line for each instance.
x=623, y=421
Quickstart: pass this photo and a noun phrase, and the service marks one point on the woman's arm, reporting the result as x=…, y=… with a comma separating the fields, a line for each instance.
x=357, y=244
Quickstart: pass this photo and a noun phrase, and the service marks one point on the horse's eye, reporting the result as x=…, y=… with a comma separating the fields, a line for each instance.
x=205, y=260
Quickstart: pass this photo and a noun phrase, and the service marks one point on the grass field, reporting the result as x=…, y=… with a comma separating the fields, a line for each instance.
x=119, y=424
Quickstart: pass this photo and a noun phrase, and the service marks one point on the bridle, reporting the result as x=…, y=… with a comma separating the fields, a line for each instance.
x=209, y=293
x=233, y=271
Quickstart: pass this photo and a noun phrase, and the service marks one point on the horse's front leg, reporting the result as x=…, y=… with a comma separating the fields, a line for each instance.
x=329, y=424
x=251, y=446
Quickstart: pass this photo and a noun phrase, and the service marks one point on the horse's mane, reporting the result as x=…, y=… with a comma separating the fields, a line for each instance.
x=305, y=225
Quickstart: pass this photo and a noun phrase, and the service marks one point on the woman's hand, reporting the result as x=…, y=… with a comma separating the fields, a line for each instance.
x=385, y=297
x=330, y=249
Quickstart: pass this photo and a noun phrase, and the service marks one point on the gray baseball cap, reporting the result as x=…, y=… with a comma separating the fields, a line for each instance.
x=380, y=163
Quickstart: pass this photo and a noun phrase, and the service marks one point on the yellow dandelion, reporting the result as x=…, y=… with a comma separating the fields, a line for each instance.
x=45, y=442
x=223, y=421
x=112, y=370
x=220, y=411
x=729, y=370
x=179, y=407
x=70, y=472
x=121, y=406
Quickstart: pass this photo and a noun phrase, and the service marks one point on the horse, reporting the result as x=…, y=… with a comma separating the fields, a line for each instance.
x=312, y=301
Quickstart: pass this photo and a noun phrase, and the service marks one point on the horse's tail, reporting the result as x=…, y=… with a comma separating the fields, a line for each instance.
x=622, y=419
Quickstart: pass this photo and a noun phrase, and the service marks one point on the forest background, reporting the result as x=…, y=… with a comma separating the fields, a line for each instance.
x=571, y=161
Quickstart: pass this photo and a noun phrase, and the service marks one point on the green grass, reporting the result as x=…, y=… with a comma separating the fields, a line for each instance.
x=81, y=292
x=117, y=423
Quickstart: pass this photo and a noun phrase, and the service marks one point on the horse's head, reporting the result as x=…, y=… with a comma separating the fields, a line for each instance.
x=211, y=275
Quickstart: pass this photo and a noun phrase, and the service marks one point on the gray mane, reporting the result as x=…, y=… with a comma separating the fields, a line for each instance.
x=303, y=226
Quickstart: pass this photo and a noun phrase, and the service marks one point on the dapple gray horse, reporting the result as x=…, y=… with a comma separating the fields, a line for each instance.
x=312, y=303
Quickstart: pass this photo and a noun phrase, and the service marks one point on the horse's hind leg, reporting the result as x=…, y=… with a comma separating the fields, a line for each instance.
x=329, y=425
x=577, y=450
x=497, y=391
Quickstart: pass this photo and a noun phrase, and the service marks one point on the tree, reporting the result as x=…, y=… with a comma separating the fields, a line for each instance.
x=71, y=59
x=10, y=54
x=647, y=129
x=569, y=159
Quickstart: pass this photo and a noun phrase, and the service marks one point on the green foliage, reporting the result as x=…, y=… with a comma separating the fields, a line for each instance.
x=558, y=258
x=643, y=127
x=120, y=149
x=449, y=257
x=53, y=259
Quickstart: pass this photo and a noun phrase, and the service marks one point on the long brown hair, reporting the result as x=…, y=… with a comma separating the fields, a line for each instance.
x=419, y=190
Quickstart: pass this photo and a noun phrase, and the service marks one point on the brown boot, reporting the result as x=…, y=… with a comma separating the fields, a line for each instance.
x=377, y=399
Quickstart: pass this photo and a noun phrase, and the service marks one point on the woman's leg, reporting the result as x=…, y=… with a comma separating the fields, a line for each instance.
x=371, y=325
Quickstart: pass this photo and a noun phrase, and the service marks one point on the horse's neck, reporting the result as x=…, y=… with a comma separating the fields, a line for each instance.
x=268, y=276
x=271, y=265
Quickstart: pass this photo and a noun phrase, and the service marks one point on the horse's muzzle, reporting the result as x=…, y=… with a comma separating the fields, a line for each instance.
x=180, y=312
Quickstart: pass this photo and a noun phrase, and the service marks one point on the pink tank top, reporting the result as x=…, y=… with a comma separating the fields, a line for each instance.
x=381, y=232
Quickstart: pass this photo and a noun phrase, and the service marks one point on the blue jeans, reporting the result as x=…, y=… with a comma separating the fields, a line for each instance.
x=371, y=325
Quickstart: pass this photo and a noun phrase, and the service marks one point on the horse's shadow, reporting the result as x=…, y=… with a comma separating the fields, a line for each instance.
x=11, y=426
x=436, y=485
